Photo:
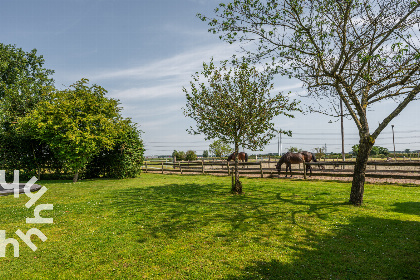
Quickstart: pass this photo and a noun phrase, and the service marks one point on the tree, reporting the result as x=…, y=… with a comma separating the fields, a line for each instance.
x=294, y=150
x=190, y=155
x=77, y=123
x=376, y=150
x=359, y=51
x=355, y=149
x=179, y=155
x=220, y=148
x=205, y=154
x=383, y=151
x=235, y=106
x=23, y=83
x=124, y=160
x=320, y=152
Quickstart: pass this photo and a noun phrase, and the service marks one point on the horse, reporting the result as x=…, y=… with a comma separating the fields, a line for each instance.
x=295, y=158
x=310, y=157
x=241, y=157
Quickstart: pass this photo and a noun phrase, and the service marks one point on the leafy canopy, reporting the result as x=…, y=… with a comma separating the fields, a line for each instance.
x=77, y=123
x=220, y=148
x=234, y=104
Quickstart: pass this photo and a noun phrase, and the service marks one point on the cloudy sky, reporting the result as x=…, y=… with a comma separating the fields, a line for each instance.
x=144, y=51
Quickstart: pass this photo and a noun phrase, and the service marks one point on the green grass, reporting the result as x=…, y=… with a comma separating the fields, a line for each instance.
x=191, y=227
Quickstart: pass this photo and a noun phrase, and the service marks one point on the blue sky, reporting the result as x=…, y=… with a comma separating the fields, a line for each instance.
x=144, y=51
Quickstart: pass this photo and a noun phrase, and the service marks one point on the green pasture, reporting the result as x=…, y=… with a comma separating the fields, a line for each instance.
x=190, y=227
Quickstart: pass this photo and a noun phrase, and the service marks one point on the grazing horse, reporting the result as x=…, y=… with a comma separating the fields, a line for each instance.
x=241, y=157
x=295, y=158
x=308, y=158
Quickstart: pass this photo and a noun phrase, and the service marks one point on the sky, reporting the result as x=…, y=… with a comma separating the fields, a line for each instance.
x=143, y=52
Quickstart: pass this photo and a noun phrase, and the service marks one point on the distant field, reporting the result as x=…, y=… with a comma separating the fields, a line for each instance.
x=190, y=227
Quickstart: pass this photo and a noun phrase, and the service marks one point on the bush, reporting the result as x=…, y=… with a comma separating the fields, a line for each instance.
x=190, y=155
x=179, y=155
x=123, y=161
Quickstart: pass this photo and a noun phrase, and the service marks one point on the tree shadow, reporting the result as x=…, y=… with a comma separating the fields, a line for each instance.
x=367, y=248
x=360, y=248
x=170, y=210
x=407, y=208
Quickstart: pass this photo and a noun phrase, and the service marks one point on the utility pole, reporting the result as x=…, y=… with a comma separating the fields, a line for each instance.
x=393, y=140
x=279, y=145
x=343, y=154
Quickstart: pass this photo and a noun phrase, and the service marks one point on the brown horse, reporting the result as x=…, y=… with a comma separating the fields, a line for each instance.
x=241, y=157
x=295, y=158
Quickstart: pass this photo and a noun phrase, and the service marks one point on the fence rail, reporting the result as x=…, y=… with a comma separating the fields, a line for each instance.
x=267, y=168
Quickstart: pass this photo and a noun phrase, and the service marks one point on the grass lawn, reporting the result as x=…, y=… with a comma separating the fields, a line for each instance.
x=190, y=227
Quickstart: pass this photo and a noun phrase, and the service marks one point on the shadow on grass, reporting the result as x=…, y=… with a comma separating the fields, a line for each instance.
x=361, y=248
x=367, y=248
x=407, y=208
x=170, y=210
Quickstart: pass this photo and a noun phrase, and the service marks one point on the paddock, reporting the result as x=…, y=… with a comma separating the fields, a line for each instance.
x=401, y=171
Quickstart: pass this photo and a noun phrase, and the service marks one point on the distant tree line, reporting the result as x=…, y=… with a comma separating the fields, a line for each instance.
x=181, y=155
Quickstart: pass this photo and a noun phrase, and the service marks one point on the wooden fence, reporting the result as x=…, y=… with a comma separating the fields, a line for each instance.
x=345, y=169
x=267, y=168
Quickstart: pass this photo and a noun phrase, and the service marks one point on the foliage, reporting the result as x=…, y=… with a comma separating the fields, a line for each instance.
x=362, y=52
x=150, y=227
x=294, y=150
x=220, y=148
x=77, y=123
x=234, y=105
x=355, y=149
x=320, y=152
x=205, y=153
x=23, y=83
x=376, y=150
x=190, y=155
x=124, y=160
x=179, y=155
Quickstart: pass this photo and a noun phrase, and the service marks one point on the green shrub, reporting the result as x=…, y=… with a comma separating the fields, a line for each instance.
x=123, y=161
x=190, y=155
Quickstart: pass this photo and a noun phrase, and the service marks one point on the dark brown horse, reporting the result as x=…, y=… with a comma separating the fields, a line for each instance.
x=241, y=157
x=295, y=158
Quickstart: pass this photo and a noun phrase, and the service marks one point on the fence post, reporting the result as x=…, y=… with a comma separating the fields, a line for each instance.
x=304, y=170
x=146, y=166
x=261, y=169
x=202, y=166
x=180, y=169
x=162, y=167
x=228, y=168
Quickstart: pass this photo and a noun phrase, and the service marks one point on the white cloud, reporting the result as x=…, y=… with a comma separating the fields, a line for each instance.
x=183, y=64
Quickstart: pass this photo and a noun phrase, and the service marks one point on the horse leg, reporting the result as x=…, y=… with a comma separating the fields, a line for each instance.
x=289, y=166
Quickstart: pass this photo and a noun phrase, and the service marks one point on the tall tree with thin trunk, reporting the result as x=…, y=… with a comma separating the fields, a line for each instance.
x=234, y=105
x=361, y=52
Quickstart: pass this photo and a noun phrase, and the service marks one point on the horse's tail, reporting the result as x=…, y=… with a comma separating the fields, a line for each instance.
x=246, y=157
x=314, y=158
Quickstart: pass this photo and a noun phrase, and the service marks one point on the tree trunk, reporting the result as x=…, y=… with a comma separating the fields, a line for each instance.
x=76, y=176
x=358, y=185
x=236, y=185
